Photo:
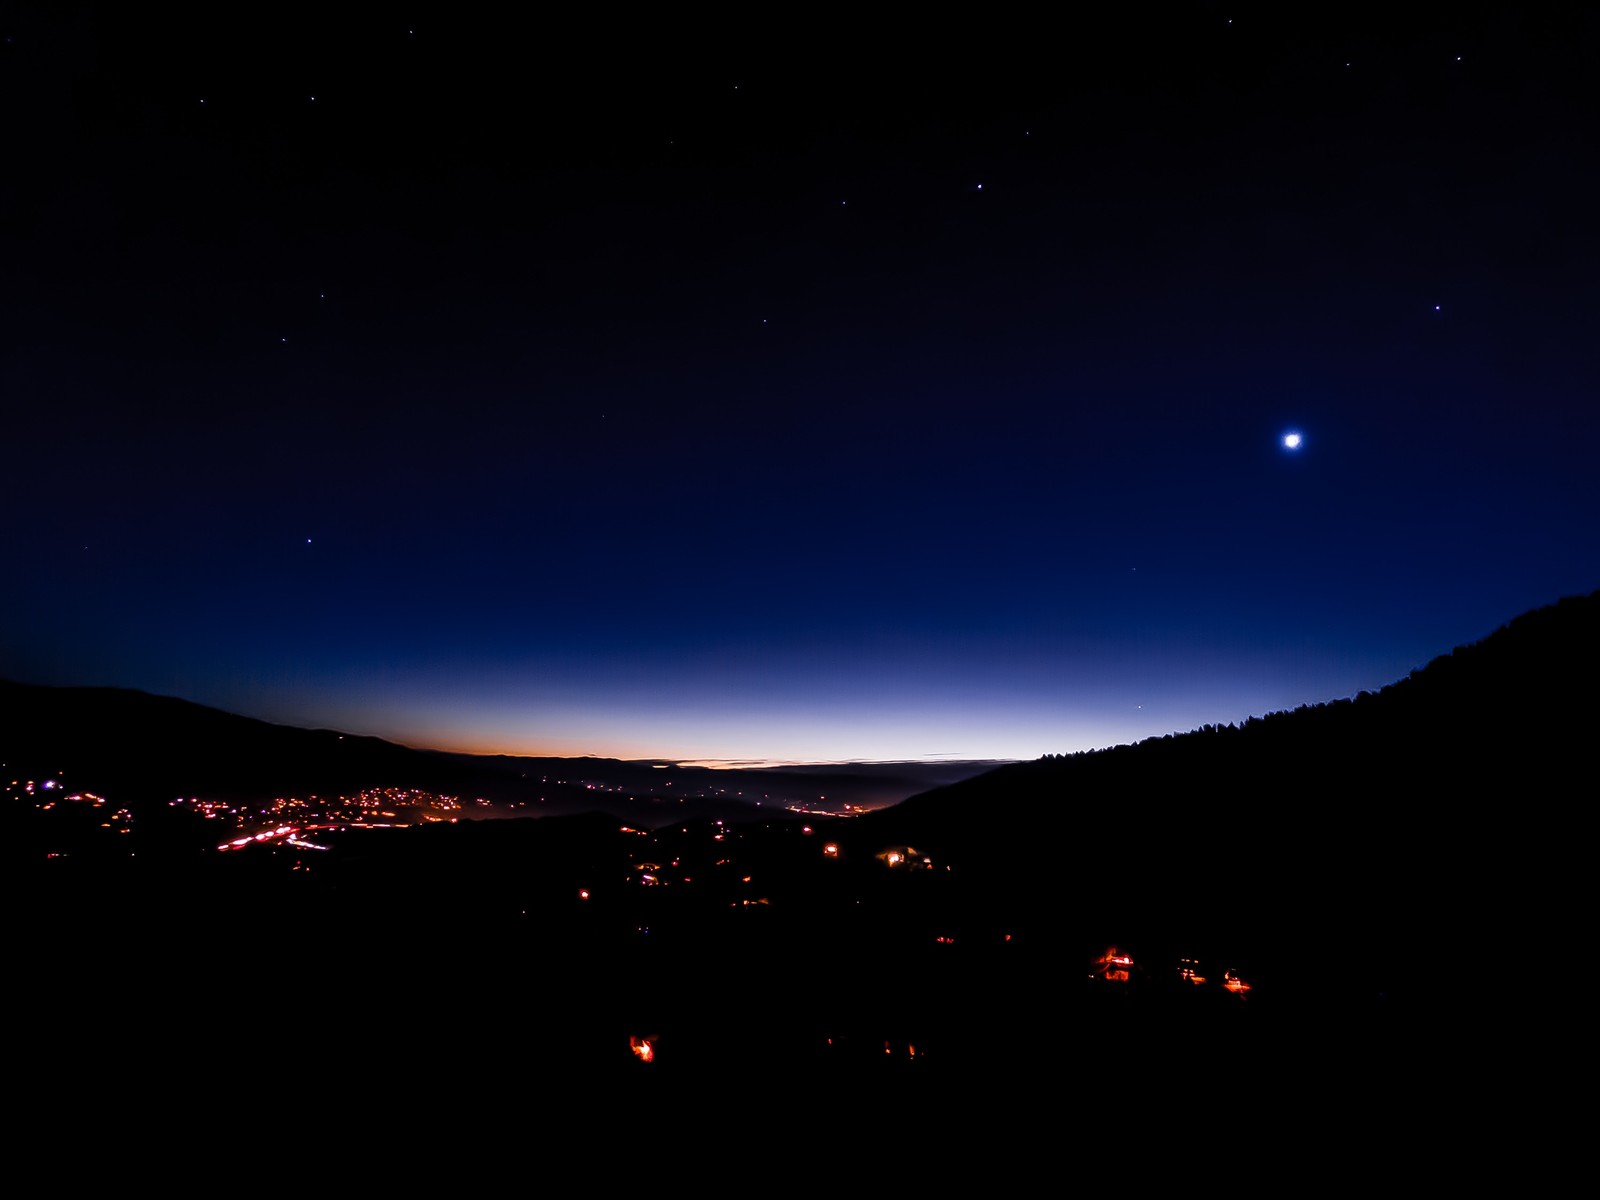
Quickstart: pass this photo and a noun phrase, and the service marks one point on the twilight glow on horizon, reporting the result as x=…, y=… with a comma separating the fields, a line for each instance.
x=653, y=400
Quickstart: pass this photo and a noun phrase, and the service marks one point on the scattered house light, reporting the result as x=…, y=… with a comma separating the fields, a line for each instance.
x=1113, y=965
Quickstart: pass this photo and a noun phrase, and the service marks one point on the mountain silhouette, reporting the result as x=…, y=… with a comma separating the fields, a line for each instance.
x=1362, y=863
x=146, y=749
x=1375, y=843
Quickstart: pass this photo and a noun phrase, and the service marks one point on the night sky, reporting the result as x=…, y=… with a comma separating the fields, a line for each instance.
x=775, y=385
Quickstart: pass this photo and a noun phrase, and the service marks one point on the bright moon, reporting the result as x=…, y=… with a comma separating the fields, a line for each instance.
x=1291, y=441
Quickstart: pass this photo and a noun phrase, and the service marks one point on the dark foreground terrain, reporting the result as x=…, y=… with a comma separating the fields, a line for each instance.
x=1009, y=949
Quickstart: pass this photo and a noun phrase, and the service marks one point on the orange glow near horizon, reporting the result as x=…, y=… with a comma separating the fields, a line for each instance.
x=466, y=741
x=496, y=746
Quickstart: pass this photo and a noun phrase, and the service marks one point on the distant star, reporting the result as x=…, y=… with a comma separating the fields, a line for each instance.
x=1291, y=441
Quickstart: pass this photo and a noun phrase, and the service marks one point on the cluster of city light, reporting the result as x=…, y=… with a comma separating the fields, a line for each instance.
x=49, y=793
x=266, y=835
x=211, y=810
x=28, y=786
x=356, y=810
x=55, y=789
x=811, y=810
x=1116, y=966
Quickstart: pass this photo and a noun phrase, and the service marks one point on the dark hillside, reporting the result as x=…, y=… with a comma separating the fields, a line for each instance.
x=1365, y=865
x=1392, y=830
x=156, y=747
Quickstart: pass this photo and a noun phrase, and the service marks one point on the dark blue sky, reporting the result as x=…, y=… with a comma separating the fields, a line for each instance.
x=708, y=391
